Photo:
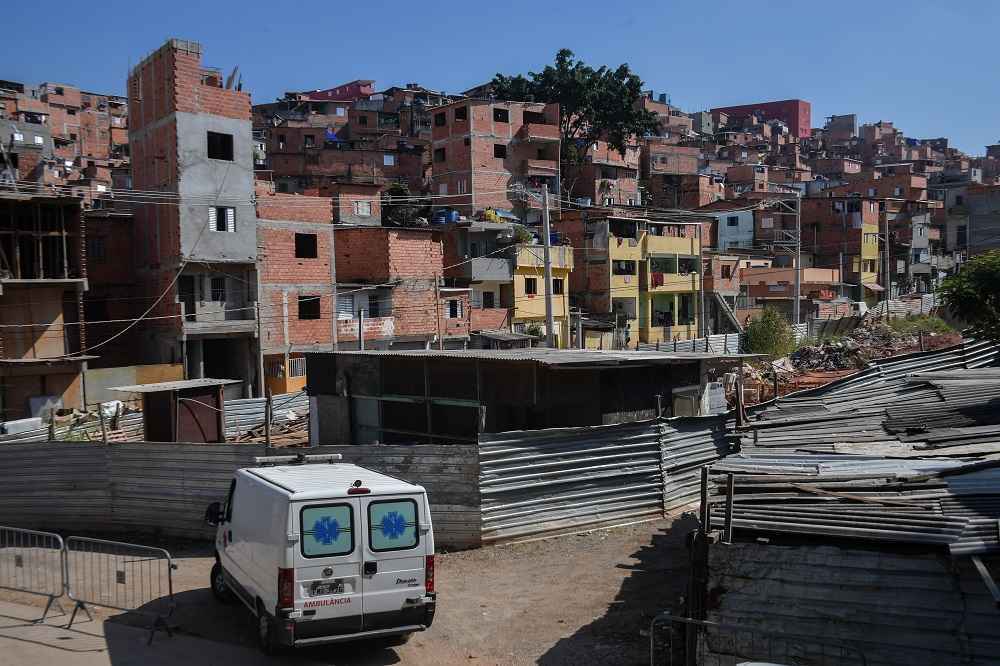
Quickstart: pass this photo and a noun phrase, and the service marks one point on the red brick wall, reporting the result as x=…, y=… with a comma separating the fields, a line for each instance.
x=362, y=255
x=291, y=207
x=489, y=319
x=279, y=263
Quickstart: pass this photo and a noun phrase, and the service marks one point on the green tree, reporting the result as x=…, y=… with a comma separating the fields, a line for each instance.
x=400, y=208
x=973, y=295
x=594, y=104
x=770, y=334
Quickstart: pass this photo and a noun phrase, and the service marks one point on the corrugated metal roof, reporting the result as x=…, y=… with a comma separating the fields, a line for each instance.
x=173, y=386
x=546, y=356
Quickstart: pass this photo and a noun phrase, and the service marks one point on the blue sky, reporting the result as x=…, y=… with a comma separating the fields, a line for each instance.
x=930, y=67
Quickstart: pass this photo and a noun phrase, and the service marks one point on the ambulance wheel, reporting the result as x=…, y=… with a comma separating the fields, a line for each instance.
x=220, y=590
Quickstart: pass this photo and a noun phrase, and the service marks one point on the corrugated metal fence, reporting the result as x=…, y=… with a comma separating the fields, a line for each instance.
x=724, y=343
x=136, y=489
x=241, y=416
x=545, y=482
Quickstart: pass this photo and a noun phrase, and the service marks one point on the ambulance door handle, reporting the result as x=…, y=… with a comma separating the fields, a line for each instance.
x=371, y=568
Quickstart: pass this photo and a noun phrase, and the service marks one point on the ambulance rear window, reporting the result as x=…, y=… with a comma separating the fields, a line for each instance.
x=327, y=530
x=392, y=525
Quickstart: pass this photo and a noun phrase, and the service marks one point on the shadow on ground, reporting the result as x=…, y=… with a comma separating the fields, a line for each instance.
x=657, y=580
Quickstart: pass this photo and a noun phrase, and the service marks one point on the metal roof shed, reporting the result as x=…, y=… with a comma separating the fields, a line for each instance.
x=190, y=410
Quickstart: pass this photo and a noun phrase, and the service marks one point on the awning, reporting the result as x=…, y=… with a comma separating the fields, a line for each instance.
x=873, y=287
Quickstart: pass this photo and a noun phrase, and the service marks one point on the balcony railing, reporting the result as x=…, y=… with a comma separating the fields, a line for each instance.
x=534, y=255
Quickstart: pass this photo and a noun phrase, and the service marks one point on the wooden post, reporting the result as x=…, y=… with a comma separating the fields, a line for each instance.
x=776, y=385
x=740, y=413
x=267, y=418
x=104, y=429
x=920, y=334
x=727, y=533
x=437, y=310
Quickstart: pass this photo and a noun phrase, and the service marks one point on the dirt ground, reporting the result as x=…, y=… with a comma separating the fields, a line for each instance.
x=568, y=600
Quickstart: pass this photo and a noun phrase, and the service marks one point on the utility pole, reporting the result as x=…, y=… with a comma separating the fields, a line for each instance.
x=702, y=323
x=260, y=345
x=437, y=310
x=550, y=324
x=361, y=329
x=334, y=320
x=886, y=280
x=796, y=305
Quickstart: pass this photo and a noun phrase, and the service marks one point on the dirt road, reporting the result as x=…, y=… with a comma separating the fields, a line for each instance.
x=569, y=600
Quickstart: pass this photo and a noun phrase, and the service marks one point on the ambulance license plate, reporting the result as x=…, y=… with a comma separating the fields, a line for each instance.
x=323, y=588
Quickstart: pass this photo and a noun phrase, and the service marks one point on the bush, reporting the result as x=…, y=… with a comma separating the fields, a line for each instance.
x=920, y=324
x=771, y=334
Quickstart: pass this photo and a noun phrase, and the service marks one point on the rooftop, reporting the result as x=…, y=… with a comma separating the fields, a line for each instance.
x=322, y=481
x=557, y=357
x=174, y=386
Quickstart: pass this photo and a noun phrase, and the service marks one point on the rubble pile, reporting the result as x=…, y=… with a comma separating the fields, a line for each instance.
x=870, y=340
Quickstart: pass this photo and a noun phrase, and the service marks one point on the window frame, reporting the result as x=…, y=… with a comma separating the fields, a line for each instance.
x=500, y=151
x=416, y=523
x=301, y=252
x=212, y=291
x=534, y=286
x=464, y=111
x=302, y=541
x=231, y=145
x=309, y=298
x=558, y=287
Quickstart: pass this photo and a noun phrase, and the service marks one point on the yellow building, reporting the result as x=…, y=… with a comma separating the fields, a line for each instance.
x=641, y=274
x=869, y=267
x=529, y=289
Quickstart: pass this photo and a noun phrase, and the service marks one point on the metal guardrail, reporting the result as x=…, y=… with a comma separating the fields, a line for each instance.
x=32, y=562
x=122, y=576
x=721, y=643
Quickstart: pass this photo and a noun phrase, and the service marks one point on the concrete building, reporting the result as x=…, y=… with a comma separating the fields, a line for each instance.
x=685, y=192
x=191, y=137
x=608, y=177
x=483, y=150
x=43, y=277
x=795, y=113
x=983, y=232
x=639, y=272
x=734, y=225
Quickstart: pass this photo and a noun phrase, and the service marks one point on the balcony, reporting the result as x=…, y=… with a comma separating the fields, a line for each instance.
x=214, y=317
x=540, y=167
x=539, y=132
x=531, y=256
x=481, y=269
x=671, y=245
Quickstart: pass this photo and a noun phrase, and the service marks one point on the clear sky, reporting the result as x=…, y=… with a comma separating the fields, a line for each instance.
x=930, y=67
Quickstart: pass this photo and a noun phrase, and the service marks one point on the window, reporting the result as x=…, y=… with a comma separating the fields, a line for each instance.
x=72, y=136
x=374, y=307
x=71, y=112
x=363, y=121
x=327, y=530
x=363, y=208
x=501, y=115
x=297, y=366
x=309, y=307
x=961, y=236
x=557, y=286
x=308, y=140
x=96, y=250
x=340, y=111
x=220, y=146
x=454, y=309
x=392, y=525
x=18, y=136
x=388, y=160
x=439, y=154
x=305, y=246
x=609, y=201
x=499, y=150
x=622, y=267
x=440, y=119
x=462, y=113
x=463, y=186
x=219, y=289
x=686, y=307
x=443, y=188
x=872, y=191
x=530, y=286
x=727, y=271
x=59, y=90
x=281, y=142
x=959, y=200
x=733, y=221
x=897, y=191
x=345, y=306
x=489, y=299
x=221, y=218
x=39, y=140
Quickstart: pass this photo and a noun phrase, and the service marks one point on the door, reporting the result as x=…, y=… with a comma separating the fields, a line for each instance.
x=328, y=583
x=394, y=562
x=231, y=544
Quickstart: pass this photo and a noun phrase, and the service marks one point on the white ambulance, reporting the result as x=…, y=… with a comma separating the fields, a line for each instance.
x=322, y=552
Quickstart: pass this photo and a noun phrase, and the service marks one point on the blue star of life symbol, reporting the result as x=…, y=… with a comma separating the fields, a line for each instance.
x=326, y=530
x=393, y=525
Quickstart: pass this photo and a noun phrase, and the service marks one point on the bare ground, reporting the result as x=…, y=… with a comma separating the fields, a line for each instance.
x=575, y=599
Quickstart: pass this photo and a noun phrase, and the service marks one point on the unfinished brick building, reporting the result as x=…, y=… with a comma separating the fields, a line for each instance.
x=483, y=149
x=191, y=137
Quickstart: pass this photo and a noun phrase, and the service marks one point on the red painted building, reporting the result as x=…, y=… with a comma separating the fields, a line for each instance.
x=795, y=113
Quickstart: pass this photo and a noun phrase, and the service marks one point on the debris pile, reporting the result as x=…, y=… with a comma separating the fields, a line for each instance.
x=871, y=340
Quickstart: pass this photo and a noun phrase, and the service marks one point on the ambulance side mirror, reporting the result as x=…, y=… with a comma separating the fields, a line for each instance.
x=213, y=514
